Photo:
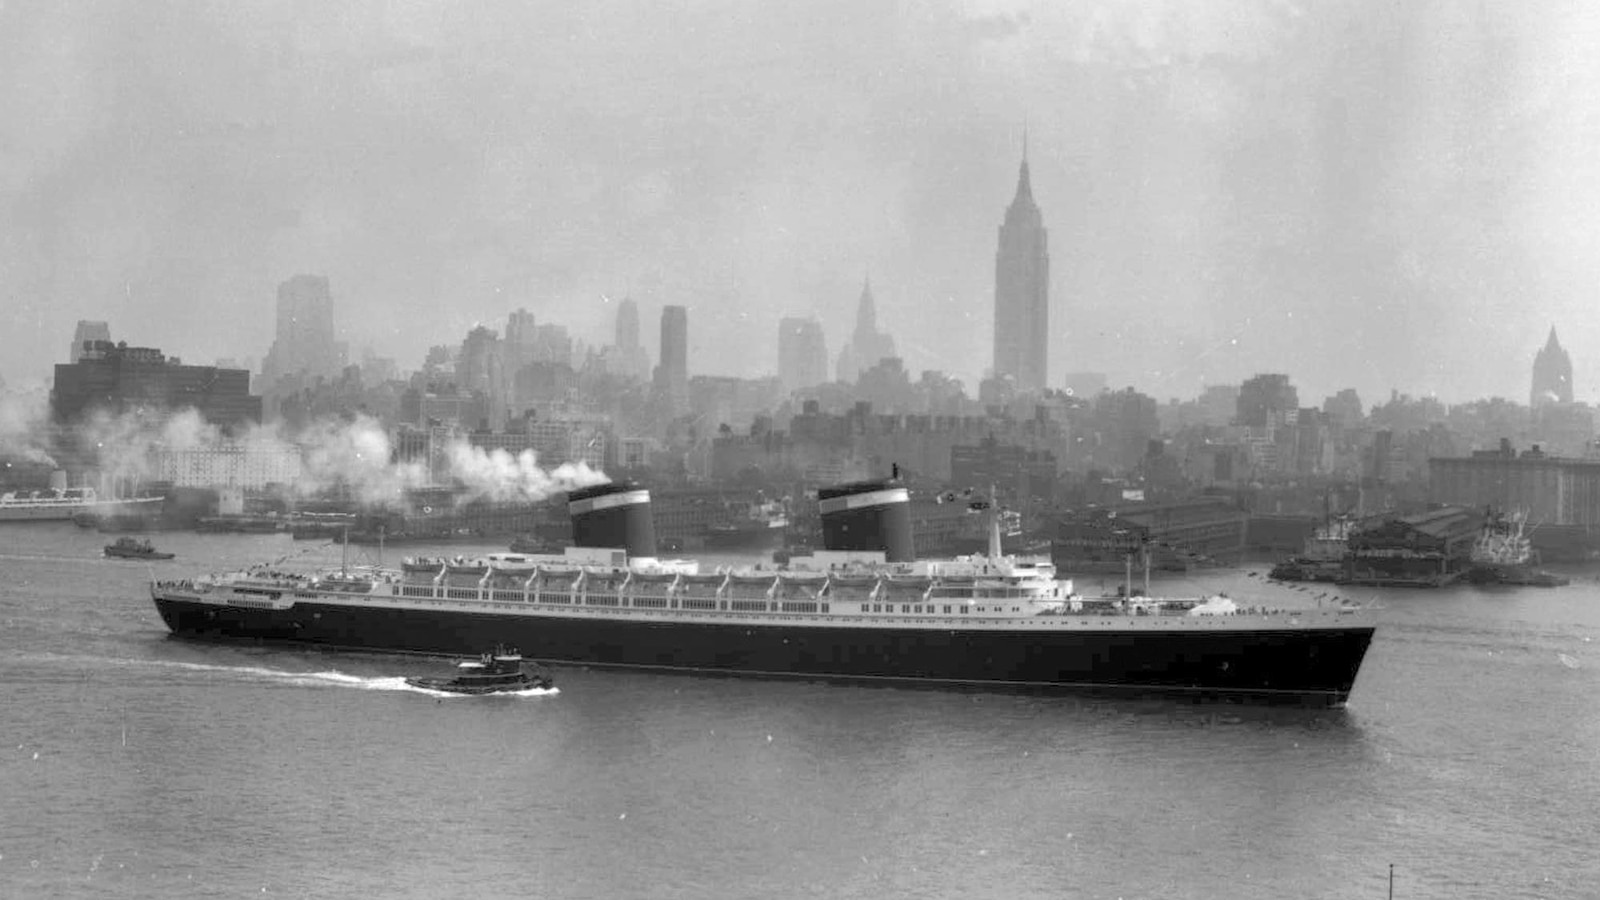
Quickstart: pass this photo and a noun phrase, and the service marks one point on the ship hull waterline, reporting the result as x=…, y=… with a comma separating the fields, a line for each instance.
x=1303, y=667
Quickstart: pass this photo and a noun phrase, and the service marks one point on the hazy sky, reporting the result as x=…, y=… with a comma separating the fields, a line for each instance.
x=1379, y=195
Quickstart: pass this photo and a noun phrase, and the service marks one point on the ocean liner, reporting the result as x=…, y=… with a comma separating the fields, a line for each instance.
x=863, y=609
x=61, y=504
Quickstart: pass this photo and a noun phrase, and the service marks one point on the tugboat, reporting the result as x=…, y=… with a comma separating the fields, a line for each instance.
x=495, y=672
x=1504, y=554
x=134, y=548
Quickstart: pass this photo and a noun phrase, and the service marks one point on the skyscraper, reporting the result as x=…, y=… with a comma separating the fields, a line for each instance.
x=520, y=339
x=868, y=346
x=672, y=375
x=802, y=354
x=1022, y=291
x=305, y=342
x=626, y=358
x=627, y=324
x=1552, y=374
x=87, y=332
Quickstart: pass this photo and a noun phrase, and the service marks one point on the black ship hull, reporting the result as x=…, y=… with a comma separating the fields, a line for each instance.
x=452, y=686
x=1308, y=667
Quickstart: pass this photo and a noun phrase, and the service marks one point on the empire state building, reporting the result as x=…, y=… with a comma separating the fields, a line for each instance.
x=1022, y=291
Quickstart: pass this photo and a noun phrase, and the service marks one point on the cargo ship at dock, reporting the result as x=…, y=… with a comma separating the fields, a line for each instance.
x=861, y=610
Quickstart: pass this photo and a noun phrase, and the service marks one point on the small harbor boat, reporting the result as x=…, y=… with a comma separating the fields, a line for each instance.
x=496, y=672
x=134, y=548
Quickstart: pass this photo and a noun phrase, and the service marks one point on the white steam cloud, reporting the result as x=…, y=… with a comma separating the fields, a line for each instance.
x=24, y=415
x=497, y=475
x=355, y=455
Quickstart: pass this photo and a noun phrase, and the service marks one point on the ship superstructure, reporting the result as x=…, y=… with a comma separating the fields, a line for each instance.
x=864, y=609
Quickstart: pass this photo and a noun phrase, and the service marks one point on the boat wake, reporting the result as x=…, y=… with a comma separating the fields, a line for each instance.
x=332, y=678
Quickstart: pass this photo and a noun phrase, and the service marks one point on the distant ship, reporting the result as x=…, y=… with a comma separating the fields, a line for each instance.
x=760, y=528
x=1504, y=554
x=133, y=548
x=863, y=610
x=1323, y=555
x=62, y=504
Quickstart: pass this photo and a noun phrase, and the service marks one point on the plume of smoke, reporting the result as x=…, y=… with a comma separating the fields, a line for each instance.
x=354, y=455
x=127, y=444
x=24, y=426
x=358, y=455
x=497, y=475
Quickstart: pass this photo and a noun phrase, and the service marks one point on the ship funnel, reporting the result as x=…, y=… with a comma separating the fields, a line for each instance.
x=613, y=516
x=867, y=516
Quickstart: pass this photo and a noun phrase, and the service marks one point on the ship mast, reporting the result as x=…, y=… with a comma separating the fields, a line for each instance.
x=994, y=525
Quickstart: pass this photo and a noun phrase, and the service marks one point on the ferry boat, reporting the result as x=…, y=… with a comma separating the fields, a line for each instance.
x=62, y=504
x=862, y=609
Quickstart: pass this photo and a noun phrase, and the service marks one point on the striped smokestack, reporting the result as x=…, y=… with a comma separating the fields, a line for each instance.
x=866, y=516
x=613, y=516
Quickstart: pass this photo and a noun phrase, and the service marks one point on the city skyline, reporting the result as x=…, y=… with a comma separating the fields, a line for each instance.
x=1362, y=196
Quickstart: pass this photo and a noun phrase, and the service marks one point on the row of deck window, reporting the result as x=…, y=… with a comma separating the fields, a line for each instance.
x=914, y=608
x=692, y=603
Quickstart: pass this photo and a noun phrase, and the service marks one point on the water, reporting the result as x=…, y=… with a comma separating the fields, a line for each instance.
x=136, y=765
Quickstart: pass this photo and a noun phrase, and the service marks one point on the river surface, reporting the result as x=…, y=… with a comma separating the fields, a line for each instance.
x=133, y=764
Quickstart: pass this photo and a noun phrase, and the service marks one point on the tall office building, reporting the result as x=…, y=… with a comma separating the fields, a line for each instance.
x=1266, y=400
x=520, y=339
x=1022, y=291
x=478, y=368
x=1552, y=374
x=627, y=324
x=305, y=343
x=626, y=358
x=672, y=375
x=87, y=333
x=117, y=380
x=868, y=346
x=802, y=354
